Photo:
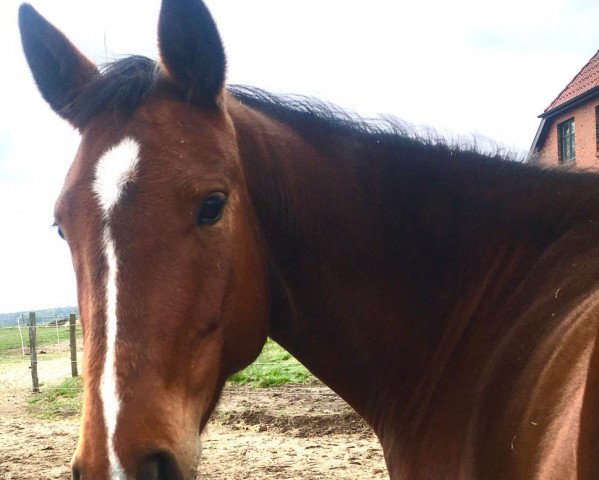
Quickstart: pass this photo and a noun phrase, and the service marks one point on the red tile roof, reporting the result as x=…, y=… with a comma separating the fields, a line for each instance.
x=585, y=80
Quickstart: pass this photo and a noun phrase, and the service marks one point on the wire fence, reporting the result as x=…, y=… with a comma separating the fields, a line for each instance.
x=37, y=350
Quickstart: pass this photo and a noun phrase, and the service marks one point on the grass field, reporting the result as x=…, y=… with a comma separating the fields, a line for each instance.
x=275, y=366
x=61, y=400
x=10, y=339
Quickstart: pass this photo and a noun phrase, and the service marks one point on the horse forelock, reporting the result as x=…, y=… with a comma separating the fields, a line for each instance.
x=120, y=87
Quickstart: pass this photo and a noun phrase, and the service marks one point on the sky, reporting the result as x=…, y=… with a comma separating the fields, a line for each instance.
x=466, y=68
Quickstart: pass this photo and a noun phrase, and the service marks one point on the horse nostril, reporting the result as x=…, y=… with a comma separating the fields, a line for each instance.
x=161, y=466
x=150, y=470
x=76, y=473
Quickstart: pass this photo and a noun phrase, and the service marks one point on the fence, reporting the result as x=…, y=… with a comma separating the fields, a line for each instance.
x=37, y=350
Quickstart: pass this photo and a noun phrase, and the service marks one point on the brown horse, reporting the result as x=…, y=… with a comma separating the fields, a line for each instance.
x=450, y=297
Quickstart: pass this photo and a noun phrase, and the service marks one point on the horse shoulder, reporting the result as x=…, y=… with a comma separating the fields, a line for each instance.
x=542, y=395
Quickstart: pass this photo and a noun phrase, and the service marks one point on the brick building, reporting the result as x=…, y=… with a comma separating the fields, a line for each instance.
x=568, y=135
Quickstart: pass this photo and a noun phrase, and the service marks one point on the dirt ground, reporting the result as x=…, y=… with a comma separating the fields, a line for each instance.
x=294, y=432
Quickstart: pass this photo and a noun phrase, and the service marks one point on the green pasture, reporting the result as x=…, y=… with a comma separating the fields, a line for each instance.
x=58, y=400
x=10, y=340
x=275, y=366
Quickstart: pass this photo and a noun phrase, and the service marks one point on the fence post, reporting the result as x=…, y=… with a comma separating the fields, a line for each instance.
x=72, y=323
x=33, y=352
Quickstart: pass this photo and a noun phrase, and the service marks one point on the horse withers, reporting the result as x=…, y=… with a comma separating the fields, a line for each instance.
x=451, y=297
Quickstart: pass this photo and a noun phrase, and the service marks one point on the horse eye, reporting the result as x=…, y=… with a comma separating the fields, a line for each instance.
x=212, y=209
x=59, y=230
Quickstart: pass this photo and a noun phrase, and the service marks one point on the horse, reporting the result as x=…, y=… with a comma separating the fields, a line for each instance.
x=449, y=296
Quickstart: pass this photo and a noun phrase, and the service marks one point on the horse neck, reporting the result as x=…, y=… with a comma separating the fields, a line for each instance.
x=379, y=259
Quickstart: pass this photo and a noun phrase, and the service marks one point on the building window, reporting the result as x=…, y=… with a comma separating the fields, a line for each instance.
x=565, y=141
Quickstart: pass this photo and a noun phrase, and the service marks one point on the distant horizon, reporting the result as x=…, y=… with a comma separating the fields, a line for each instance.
x=18, y=312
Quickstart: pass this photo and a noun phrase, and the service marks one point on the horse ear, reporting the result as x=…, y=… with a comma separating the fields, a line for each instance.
x=58, y=68
x=191, y=50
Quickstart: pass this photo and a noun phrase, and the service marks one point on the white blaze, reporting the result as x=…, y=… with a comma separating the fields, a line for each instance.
x=114, y=170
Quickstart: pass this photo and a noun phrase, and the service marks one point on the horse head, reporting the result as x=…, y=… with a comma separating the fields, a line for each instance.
x=170, y=266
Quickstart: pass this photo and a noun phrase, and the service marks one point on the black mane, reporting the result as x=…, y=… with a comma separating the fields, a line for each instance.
x=320, y=121
x=125, y=84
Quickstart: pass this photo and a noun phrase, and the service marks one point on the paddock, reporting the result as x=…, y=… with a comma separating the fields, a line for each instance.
x=287, y=432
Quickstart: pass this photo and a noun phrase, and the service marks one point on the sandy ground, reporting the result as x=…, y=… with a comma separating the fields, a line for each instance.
x=281, y=433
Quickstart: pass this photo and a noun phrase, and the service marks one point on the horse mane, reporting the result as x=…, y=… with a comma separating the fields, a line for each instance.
x=320, y=120
x=460, y=193
x=122, y=86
